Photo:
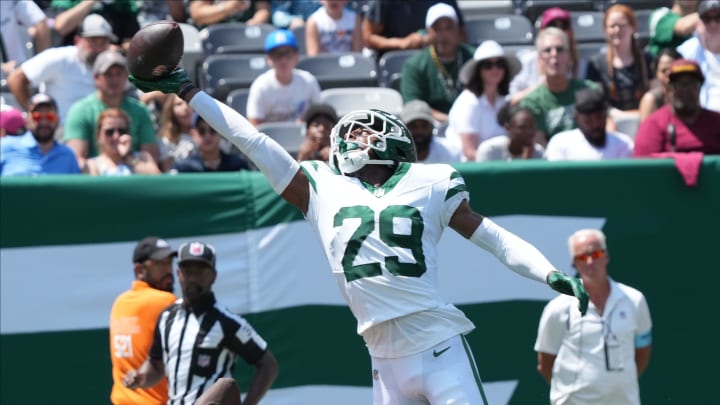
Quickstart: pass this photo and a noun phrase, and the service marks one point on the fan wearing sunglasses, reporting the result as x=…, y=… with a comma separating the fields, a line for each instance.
x=116, y=156
x=596, y=358
x=704, y=48
x=37, y=151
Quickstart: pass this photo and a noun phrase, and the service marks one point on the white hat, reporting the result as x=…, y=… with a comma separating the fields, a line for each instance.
x=487, y=50
x=94, y=25
x=438, y=11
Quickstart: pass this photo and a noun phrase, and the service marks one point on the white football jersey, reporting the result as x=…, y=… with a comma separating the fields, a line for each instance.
x=381, y=244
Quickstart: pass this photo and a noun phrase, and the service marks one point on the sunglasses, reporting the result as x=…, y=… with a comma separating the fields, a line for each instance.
x=558, y=49
x=47, y=116
x=594, y=254
x=111, y=131
x=489, y=64
x=707, y=19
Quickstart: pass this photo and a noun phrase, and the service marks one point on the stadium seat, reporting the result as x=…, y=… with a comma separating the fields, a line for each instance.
x=341, y=70
x=533, y=9
x=237, y=99
x=390, y=67
x=638, y=5
x=299, y=33
x=290, y=135
x=588, y=26
x=506, y=29
x=348, y=99
x=223, y=73
x=643, y=28
x=192, y=50
x=626, y=122
x=7, y=98
x=471, y=8
x=234, y=38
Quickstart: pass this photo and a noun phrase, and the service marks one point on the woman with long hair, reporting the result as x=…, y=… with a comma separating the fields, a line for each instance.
x=175, y=140
x=472, y=117
x=116, y=157
x=622, y=68
x=657, y=95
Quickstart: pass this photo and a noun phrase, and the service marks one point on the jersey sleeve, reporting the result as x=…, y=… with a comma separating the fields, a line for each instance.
x=242, y=339
x=455, y=193
x=553, y=325
x=156, y=350
x=643, y=334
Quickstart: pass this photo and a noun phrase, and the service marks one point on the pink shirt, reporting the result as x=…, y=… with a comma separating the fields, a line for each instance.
x=703, y=135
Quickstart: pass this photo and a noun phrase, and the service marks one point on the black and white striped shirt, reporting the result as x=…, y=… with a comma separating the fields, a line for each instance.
x=198, y=345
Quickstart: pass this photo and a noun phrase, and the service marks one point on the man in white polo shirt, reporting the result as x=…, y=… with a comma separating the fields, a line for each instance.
x=596, y=358
x=64, y=73
x=590, y=140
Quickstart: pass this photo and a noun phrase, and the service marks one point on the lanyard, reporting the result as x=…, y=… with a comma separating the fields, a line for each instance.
x=447, y=80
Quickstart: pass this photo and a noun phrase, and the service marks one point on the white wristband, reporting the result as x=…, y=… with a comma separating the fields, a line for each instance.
x=512, y=251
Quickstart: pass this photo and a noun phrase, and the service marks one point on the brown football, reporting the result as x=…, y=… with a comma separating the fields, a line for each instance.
x=155, y=50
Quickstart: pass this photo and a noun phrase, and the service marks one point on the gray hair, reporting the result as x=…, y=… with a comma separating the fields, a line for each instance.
x=598, y=234
x=551, y=32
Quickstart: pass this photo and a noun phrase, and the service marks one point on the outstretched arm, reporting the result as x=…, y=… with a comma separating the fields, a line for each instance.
x=515, y=253
x=149, y=374
x=278, y=166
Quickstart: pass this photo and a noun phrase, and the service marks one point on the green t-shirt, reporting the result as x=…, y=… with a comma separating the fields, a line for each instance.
x=121, y=6
x=554, y=111
x=662, y=35
x=421, y=79
x=81, y=122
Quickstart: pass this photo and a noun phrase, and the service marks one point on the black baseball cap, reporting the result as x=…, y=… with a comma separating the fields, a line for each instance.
x=152, y=248
x=323, y=109
x=197, y=252
x=590, y=100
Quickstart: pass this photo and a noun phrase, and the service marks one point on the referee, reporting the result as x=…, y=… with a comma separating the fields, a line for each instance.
x=197, y=339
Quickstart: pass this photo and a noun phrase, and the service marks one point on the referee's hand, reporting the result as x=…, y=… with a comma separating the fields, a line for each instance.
x=132, y=379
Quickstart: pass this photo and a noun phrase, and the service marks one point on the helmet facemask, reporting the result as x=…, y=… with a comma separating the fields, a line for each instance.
x=385, y=135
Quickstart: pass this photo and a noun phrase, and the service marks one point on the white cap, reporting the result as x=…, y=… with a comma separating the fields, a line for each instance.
x=438, y=11
x=94, y=25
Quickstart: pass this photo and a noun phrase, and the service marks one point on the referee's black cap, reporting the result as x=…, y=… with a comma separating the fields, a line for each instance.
x=197, y=252
x=152, y=248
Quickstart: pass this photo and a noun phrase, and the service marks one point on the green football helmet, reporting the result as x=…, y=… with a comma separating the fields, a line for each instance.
x=388, y=138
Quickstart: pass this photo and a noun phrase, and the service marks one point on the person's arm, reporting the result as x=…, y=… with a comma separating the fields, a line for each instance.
x=357, y=38
x=469, y=143
x=545, y=365
x=70, y=19
x=266, y=371
x=262, y=13
x=647, y=106
x=686, y=25
x=41, y=37
x=177, y=10
x=312, y=37
x=515, y=253
x=372, y=34
x=205, y=12
x=149, y=374
x=642, y=359
x=19, y=85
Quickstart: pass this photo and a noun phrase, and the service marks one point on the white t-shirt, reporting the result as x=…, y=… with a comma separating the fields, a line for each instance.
x=497, y=149
x=572, y=145
x=271, y=101
x=471, y=114
x=710, y=64
x=581, y=375
x=335, y=35
x=61, y=74
x=381, y=244
x=442, y=151
x=15, y=17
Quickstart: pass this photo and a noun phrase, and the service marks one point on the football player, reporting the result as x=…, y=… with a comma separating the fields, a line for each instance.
x=380, y=216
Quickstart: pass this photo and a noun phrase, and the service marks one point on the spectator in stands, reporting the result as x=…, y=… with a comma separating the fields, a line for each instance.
x=432, y=75
x=114, y=141
x=682, y=125
x=319, y=122
x=16, y=17
x=333, y=29
x=657, y=95
x=121, y=14
x=209, y=157
x=283, y=93
x=157, y=10
x=65, y=72
x=291, y=14
x=622, y=67
x=208, y=12
x=37, y=151
x=590, y=141
x=670, y=27
x=704, y=48
x=552, y=102
x=399, y=24
x=519, y=141
x=12, y=121
x=175, y=140
x=417, y=116
x=473, y=116
x=111, y=77
x=532, y=73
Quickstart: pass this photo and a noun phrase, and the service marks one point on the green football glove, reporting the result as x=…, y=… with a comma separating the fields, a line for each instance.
x=176, y=82
x=569, y=286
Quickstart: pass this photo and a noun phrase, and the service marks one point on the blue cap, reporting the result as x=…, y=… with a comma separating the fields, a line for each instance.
x=280, y=38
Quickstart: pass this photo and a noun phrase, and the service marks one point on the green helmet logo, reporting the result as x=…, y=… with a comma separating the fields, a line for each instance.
x=387, y=137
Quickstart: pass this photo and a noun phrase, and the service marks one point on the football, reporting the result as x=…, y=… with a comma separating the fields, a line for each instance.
x=155, y=50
